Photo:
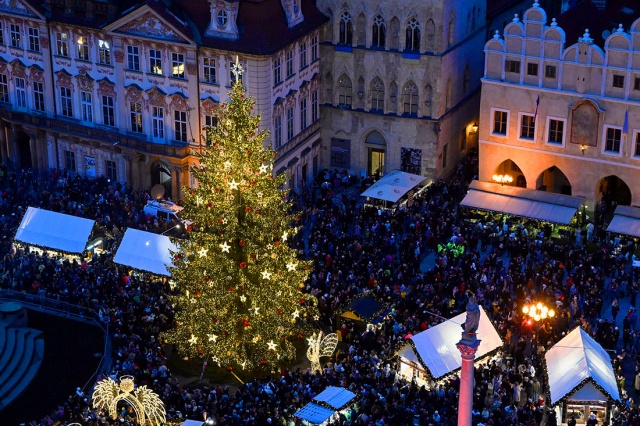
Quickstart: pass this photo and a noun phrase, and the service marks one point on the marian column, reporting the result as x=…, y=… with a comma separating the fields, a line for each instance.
x=468, y=345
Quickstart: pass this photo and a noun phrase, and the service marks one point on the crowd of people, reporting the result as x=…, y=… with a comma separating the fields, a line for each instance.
x=504, y=262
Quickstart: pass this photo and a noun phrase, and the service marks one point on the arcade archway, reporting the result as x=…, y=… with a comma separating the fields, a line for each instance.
x=160, y=174
x=24, y=149
x=511, y=169
x=613, y=191
x=553, y=180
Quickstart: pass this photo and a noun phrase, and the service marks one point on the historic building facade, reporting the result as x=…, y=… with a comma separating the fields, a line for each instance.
x=559, y=118
x=96, y=90
x=400, y=84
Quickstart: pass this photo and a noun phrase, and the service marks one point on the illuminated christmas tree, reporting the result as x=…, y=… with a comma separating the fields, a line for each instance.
x=240, y=283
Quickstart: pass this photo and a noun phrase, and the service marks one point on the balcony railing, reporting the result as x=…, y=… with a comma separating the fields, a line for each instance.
x=297, y=140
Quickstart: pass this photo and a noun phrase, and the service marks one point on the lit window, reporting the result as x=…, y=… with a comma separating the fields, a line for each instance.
x=83, y=48
x=16, y=38
x=209, y=70
x=177, y=65
x=556, y=131
x=500, y=122
x=61, y=44
x=155, y=61
x=527, y=127
x=135, y=116
x=104, y=52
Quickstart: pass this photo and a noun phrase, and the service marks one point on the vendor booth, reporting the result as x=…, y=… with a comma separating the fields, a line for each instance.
x=626, y=221
x=366, y=310
x=326, y=406
x=57, y=233
x=146, y=251
x=391, y=187
x=433, y=354
x=581, y=379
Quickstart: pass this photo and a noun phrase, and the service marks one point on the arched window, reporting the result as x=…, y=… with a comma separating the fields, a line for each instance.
x=377, y=95
x=413, y=35
x=465, y=80
x=430, y=30
x=378, y=39
x=451, y=30
x=344, y=91
x=410, y=98
x=346, y=28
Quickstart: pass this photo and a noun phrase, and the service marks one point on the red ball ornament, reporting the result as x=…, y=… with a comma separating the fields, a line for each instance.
x=232, y=289
x=263, y=362
x=224, y=332
x=197, y=293
x=210, y=205
x=200, y=352
x=191, y=192
x=248, y=209
x=243, y=265
x=241, y=243
x=229, y=368
x=277, y=243
x=279, y=311
x=219, y=220
x=299, y=335
x=301, y=301
x=207, y=279
x=215, y=319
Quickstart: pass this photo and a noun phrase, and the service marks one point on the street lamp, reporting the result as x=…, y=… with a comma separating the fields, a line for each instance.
x=502, y=179
x=538, y=311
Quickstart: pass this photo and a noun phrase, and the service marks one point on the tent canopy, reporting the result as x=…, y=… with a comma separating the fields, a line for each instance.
x=436, y=346
x=366, y=308
x=575, y=358
x=393, y=186
x=335, y=397
x=145, y=251
x=626, y=221
x=53, y=230
x=529, y=203
x=332, y=400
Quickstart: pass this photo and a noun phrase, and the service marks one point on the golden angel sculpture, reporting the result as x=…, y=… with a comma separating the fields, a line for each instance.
x=146, y=404
x=319, y=347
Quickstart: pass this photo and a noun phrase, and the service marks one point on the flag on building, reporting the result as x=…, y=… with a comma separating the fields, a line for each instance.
x=625, y=126
x=535, y=114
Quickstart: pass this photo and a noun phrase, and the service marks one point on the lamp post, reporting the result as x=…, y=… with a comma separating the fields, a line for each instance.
x=502, y=179
x=538, y=311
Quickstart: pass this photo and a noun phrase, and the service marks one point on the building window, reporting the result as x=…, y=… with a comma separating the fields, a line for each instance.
x=346, y=28
x=38, y=96
x=133, y=58
x=314, y=48
x=637, y=148
x=289, y=63
x=512, y=66
x=410, y=99
x=104, y=52
x=618, y=81
x=314, y=106
x=413, y=35
x=177, y=65
x=66, y=102
x=556, y=131
x=111, y=171
x=379, y=31
x=4, y=88
x=613, y=138
x=550, y=71
x=210, y=70
x=210, y=121
x=377, y=95
x=70, y=160
x=155, y=61
x=277, y=75
x=21, y=93
x=16, y=39
x=527, y=127
x=222, y=18
x=61, y=44
x=108, y=114
x=83, y=48
x=290, y=115
x=87, y=106
x=303, y=113
x=532, y=69
x=636, y=83
x=34, y=39
x=180, y=123
x=1, y=34
x=445, y=150
x=500, y=122
x=277, y=131
x=303, y=55
x=135, y=116
x=344, y=91
x=157, y=122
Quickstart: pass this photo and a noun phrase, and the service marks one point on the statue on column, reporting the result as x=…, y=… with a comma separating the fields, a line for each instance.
x=472, y=321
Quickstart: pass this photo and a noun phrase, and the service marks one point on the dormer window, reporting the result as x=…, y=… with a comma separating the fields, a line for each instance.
x=222, y=18
x=224, y=14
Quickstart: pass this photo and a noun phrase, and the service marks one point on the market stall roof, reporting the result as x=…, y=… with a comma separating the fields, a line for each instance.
x=626, y=220
x=365, y=308
x=145, y=251
x=529, y=203
x=56, y=231
x=325, y=404
x=577, y=359
x=393, y=185
x=435, y=348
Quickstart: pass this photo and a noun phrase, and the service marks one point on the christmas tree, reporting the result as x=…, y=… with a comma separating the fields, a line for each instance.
x=240, y=283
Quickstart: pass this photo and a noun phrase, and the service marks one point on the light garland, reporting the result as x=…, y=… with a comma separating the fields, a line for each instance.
x=147, y=406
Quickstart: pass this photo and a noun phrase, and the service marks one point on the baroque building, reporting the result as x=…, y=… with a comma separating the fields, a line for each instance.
x=559, y=107
x=125, y=90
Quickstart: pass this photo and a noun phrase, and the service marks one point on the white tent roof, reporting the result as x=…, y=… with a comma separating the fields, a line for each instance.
x=626, y=220
x=575, y=358
x=437, y=345
x=314, y=413
x=393, y=185
x=53, y=230
x=145, y=251
x=333, y=397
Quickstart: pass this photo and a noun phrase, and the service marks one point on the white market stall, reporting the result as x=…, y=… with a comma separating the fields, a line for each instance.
x=325, y=405
x=56, y=232
x=393, y=186
x=433, y=354
x=581, y=379
x=146, y=251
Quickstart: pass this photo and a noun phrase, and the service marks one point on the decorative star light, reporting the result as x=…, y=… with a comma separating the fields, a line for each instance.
x=285, y=236
x=227, y=165
x=259, y=194
x=225, y=247
x=279, y=293
x=266, y=275
x=295, y=314
x=291, y=266
x=212, y=337
x=316, y=317
x=233, y=184
x=255, y=310
x=214, y=358
x=224, y=220
x=236, y=69
x=193, y=340
x=272, y=346
x=243, y=298
x=243, y=364
x=203, y=252
x=264, y=168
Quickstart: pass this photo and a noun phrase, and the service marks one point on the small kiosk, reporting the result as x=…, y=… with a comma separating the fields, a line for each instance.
x=432, y=354
x=146, y=251
x=581, y=379
x=365, y=309
x=326, y=406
